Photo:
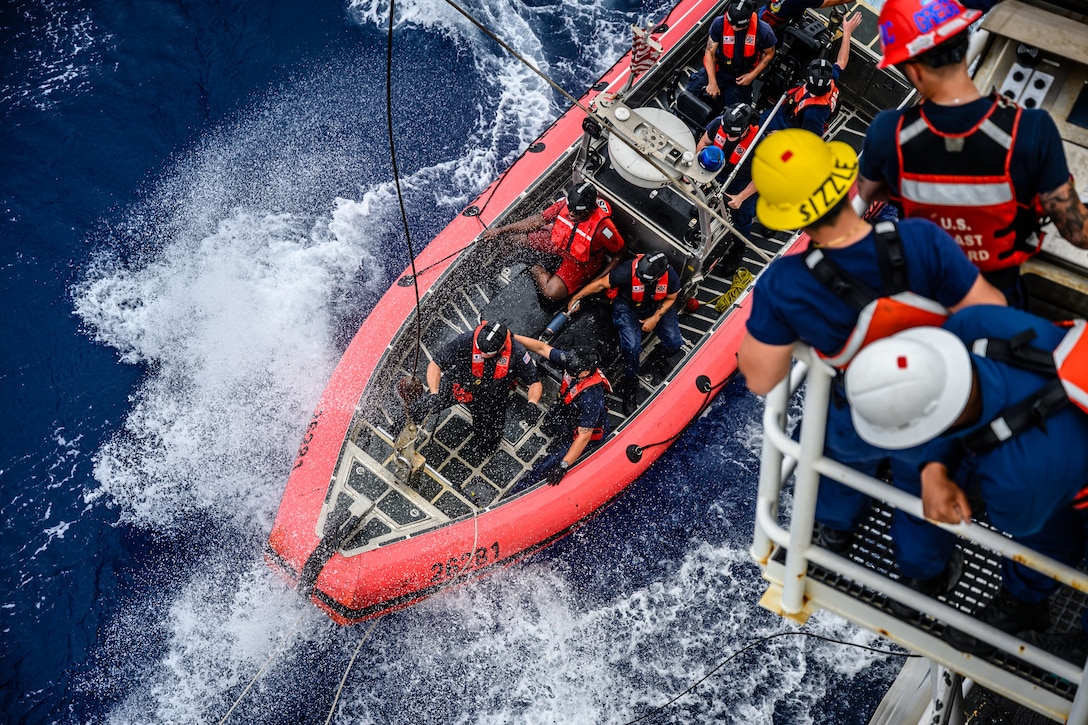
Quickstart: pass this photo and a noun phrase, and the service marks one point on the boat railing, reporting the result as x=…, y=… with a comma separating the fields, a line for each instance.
x=783, y=546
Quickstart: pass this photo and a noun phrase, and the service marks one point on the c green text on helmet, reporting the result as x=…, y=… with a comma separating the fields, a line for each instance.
x=910, y=28
x=800, y=177
x=909, y=388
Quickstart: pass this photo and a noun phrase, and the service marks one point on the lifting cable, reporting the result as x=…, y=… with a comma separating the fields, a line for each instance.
x=260, y=671
x=760, y=641
x=344, y=677
x=396, y=181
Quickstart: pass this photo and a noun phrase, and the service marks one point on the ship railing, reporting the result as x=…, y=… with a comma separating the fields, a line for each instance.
x=784, y=548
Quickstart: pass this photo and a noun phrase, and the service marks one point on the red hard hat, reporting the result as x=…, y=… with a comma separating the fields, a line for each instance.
x=908, y=28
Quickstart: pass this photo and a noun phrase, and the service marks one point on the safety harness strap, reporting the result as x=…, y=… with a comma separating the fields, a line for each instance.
x=1016, y=419
x=851, y=290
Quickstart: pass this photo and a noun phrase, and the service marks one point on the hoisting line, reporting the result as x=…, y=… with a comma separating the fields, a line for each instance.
x=267, y=662
x=759, y=641
x=355, y=654
x=396, y=181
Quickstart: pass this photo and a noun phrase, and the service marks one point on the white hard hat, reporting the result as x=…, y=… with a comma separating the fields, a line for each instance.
x=909, y=388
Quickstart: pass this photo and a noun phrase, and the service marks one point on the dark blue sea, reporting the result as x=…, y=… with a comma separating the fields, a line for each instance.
x=198, y=210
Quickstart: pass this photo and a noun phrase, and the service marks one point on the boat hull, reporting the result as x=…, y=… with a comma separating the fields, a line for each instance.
x=353, y=588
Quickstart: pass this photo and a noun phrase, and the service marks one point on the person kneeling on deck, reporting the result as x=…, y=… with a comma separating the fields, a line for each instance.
x=577, y=231
x=643, y=294
x=733, y=132
x=739, y=48
x=813, y=104
x=479, y=368
x=994, y=384
x=853, y=283
x=579, y=419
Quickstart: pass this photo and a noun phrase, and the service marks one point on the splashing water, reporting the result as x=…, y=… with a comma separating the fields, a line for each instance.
x=229, y=284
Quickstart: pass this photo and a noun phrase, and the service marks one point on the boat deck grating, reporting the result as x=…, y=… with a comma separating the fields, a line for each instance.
x=975, y=587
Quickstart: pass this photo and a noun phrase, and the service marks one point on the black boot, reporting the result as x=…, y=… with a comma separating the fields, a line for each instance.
x=1071, y=646
x=627, y=390
x=1004, y=612
x=931, y=587
x=834, y=540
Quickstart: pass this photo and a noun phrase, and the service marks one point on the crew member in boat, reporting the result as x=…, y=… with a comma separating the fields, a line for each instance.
x=479, y=369
x=1031, y=468
x=734, y=133
x=578, y=421
x=739, y=49
x=578, y=232
x=812, y=104
x=643, y=295
x=982, y=167
x=804, y=183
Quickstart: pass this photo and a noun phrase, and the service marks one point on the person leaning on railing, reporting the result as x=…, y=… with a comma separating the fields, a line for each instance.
x=1030, y=467
x=805, y=182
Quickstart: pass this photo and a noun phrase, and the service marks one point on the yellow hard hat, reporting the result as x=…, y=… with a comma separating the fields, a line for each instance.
x=800, y=177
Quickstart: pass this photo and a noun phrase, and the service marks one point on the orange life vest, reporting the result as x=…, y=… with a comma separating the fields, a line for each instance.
x=798, y=99
x=728, y=46
x=878, y=316
x=576, y=241
x=502, y=366
x=962, y=182
x=571, y=389
x=746, y=139
x=638, y=287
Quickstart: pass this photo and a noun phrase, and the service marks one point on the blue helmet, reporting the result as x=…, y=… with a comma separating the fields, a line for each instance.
x=712, y=158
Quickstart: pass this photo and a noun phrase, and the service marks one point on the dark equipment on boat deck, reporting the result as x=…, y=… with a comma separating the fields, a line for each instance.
x=410, y=389
x=803, y=43
x=558, y=323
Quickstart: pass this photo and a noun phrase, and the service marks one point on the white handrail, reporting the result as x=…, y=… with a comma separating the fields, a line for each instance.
x=779, y=451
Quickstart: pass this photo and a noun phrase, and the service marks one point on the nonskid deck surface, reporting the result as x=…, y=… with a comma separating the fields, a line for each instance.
x=976, y=585
x=457, y=479
x=458, y=476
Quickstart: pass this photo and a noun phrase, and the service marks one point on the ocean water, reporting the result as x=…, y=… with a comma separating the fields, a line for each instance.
x=198, y=210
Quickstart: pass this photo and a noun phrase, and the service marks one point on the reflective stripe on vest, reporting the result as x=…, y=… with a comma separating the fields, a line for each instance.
x=879, y=316
x=1068, y=364
x=962, y=183
x=568, y=393
x=503, y=364
x=638, y=287
x=577, y=241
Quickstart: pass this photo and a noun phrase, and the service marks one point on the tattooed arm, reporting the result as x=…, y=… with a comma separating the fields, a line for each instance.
x=710, y=63
x=1069, y=215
